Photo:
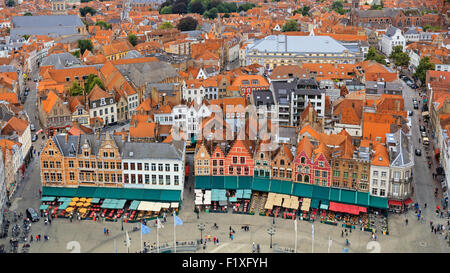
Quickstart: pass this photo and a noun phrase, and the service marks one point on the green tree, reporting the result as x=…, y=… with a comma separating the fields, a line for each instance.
x=75, y=89
x=211, y=14
x=85, y=10
x=26, y=36
x=92, y=81
x=10, y=3
x=103, y=25
x=422, y=68
x=338, y=6
x=76, y=53
x=132, y=39
x=187, y=23
x=400, y=58
x=166, y=25
x=28, y=14
x=290, y=25
x=373, y=55
x=245, y=7
x=179, y=8
x=85, y=45
x=196, y=6
x=166, y=10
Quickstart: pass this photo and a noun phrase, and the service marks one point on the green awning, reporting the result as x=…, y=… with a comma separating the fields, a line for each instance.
x=315, y=203
x=59, y=191
x=321, y=193
x=379, y=202
x=64, y=205
x=170, y=196
x=134, y=205
x=348, y=197
x=275, y=186
x=302, y=190
x=261, y=184
x=363, y=199
x=335, y=195
x=43, y=207
x=48, y=198
x=286, y=187
x=134, y=194
x=245, y=182
x=203, y=182
x=86, y=191
x=118, y=193
x=218, y=182
x=95, y=200
x=230, y=182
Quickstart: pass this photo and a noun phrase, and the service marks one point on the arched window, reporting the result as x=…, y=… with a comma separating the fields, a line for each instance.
x=306, y=179
x=302, y=160
x=299, y=177
x=281, y=162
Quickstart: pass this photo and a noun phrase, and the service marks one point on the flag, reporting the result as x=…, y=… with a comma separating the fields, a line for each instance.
x=145, y=229
x=295, y=225
x=177, y=220
x=127, y=239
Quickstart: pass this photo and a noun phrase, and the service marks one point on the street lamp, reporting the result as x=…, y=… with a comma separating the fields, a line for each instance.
x=271, y=231
x=122, y=223
x=201, y=227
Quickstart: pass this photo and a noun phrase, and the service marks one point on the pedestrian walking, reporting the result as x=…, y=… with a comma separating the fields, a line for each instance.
x=50, y=221
x=406, y=221
x=31, y=238
x=342, y=234
x=258, y=249
x=425, y=205
x=39, y=236
x=217, y=241
x=253, y=247
x=214, y=239
x=104, y=231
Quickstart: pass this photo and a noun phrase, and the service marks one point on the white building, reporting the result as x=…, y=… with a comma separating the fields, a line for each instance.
x=379, y=171
x=158, y=166
x=412, y=35
x=103, y=105
x=392, y=38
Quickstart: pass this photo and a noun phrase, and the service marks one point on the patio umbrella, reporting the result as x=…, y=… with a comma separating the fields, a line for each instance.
x=72, y=204
x=75, y=199
x=69, y=209
x=82, y=199
x=86, y=204
x=83, y=210
x=79, y=204
x=89, y=200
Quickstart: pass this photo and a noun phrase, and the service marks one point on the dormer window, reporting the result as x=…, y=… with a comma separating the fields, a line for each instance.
x=111, y=101
x=102, y=101
x=67, y=79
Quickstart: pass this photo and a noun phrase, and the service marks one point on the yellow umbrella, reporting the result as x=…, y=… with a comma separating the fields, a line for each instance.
x=75, y=199
x=82, y=199
x=69, y=209
x=89, y=200
x=72, y=204
x=79, y=204
x=83, y=210
x=86, y=204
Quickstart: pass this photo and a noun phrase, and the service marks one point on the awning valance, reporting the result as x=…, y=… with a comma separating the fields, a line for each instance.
x=395, y=203
x=351, y=209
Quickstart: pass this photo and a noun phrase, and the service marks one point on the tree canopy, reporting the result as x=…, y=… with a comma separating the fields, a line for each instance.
x=338, y=7
x=10, y=3
x=399, y=57
x=187, y=23
x=290, y=25
x=103, y=25
x=85, y=44
x=85, y=10
x=132, y=39
x=373, y=55
x=423, y=67
x=166, y=25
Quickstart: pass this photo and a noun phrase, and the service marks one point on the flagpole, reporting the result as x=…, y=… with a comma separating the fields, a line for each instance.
x=157, y=232
x=174, y=234
x=295, y=235
x=312, y=247
x=115, y=246
x=141, y=239
x=329, y=243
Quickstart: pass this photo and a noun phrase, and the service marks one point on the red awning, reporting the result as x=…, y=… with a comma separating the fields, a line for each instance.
x=437, y=151
x=395, y=203
x=408, y=201
x=352, y=209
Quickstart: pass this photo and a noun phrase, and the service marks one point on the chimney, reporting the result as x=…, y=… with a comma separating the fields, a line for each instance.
x=124, y=136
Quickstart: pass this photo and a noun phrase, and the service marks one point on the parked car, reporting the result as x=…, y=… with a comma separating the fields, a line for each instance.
x=32, y=215
x=34, y=138
x=35, y=80
x=26, y=93
x=416, y=106
x=410, y=113
x=424, y=134
x=418, y=152
x=422, y=128
x=32, y=128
